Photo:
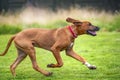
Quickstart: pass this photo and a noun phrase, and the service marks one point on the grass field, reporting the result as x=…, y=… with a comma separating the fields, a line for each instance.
x=102, y=51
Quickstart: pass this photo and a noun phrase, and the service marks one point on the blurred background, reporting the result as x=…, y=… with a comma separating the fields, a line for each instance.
x=16, y=15
x=108, y=5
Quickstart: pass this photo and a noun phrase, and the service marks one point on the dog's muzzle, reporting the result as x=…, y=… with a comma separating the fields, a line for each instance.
x=93, y=32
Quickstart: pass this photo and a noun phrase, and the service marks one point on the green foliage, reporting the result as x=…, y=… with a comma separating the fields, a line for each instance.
x=9, y=29
x=102, y=51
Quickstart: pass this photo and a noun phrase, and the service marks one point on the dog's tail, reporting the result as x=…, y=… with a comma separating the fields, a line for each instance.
x=8, y=45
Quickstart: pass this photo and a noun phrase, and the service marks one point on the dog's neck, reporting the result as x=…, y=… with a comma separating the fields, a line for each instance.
x=72, y=32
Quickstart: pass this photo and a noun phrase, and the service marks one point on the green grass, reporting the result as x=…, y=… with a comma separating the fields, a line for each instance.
x=102, y=51
x=10, y=29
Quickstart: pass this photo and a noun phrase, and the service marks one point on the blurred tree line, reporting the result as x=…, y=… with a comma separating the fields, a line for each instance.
x=108, y=5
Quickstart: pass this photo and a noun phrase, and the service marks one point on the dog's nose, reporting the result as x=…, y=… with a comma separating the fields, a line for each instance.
x=97, y=28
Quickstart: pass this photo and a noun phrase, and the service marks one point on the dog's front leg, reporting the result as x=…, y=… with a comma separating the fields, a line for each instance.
x=72, y=54
x=56, y=53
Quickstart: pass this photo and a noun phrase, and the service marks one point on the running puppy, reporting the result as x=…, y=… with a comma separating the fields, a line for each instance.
x=54, y=40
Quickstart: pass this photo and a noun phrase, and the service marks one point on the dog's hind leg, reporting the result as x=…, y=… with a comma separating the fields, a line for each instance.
x=31, y=52
x=21, y=56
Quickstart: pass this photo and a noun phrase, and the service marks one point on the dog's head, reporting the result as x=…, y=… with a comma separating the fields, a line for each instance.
x=84, y=27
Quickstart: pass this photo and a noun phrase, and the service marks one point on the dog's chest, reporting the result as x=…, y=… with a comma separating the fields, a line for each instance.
x=67, y=47
x=70, y=45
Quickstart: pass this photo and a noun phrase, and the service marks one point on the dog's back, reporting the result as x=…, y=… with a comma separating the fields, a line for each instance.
x=43, y=38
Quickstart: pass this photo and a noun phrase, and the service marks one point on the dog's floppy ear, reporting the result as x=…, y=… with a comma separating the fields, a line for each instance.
x=71, y=20
x=76, y=22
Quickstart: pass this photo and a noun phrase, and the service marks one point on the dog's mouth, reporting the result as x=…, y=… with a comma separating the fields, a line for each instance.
x=90, y=32
x=93, y=32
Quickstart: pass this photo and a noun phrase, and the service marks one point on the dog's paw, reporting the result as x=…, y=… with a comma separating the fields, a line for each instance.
x=92, y=67
x=51, y=65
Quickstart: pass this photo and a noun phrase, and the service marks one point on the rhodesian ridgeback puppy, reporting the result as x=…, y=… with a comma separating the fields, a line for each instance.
x=54, y=40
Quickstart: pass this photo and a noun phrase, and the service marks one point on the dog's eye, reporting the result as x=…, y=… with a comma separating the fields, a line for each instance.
x=89, y=24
